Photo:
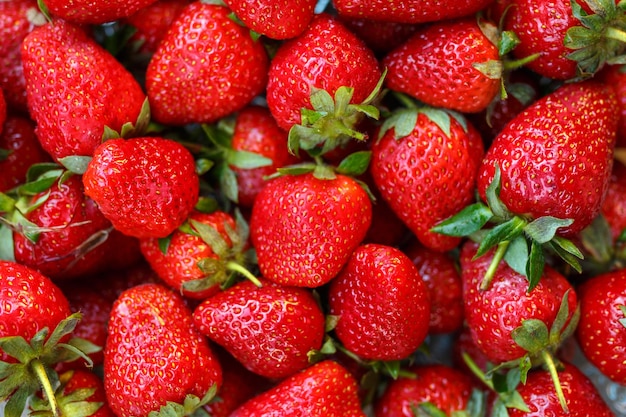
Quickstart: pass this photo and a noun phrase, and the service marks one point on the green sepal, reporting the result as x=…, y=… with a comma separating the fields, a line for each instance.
x=355, y=164
x=469, y=220
x=5, y=153
x=507, y=42
x=6, y=203
x=324, y=172
x=567, y=251
x=203, y=165
x=402, y=121
x=164, y=244
x=492, y=194
x=35, y=171
x=543, y=229
x=207, y=205
x=297, y=169
x=517, y=255
x=508, y=230
x=532, y=335
x=247, y=160
x=536, y=265
x=228, y=183
x=192, y=406
x=43, y=8
x=16, y=404
x=7, y=246
x=211, y=237
x=427, y=409
x=622, y=320
x=76, y=164
x=491, y=69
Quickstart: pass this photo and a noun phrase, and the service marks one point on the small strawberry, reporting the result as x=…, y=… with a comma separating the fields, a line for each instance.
x=206, y=67
x=601, y=332
x=452, y=64
x=75, y=88
x=325, y=389
x=171, y=362
x=304, y=228
x=276, y=19
x=94, y=12
x=269, y=329
x=381, y=303
x=423, y=388
x=145, y=186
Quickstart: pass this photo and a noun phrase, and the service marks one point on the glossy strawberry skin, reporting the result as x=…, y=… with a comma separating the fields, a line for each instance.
x=445, y=387
x=381, y=302
x=436, y=66
x=276, y=19
x=614, y=205
x=75, y=102
x=171, y=359
x=614, y=76
x=493, y=314
x=325, y=389
x=269, y=330
x=601, y=336
x=30, y=302
x=219, y=70
x=556, y=156
x=304, y=229
x=425, y=180
x=145, y=186
x=95, y=12
x=310, y=61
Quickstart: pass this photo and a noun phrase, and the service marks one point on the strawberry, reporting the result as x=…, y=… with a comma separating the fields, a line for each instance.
x=380, y=36
x=615, y=76
x=199, y=256
x=424, y=180
x=450, y=64
x=3, y=110
x=407, y=11
x=276, y=326
x=325, y=389
x=71, y=83
x=276, y=19
x=614, y=205
x=304, y=228
x=206, y=67
x=145, y=186
x=19, y=149
x=426, y=386
x=381, y=304
x=573, y=39
x=601, y=332
x=94, y=12
x=171, y=362
x=440, y=273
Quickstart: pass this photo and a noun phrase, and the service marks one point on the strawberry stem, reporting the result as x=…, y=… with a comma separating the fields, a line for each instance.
x=614, y=33
x=551, y=365
x=40, y=370
x=234, y=266
x=510, y=65
x=497, y=257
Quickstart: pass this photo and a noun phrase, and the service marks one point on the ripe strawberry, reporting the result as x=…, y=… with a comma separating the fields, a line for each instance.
x=407, y=11
x=448, y=64
x=572, y=39
x=601, y=332
x=171, y=360
x=3, y=110
x=381, y=303
x=94, y=12
x=325, y=389
x=442, y=278
x=145, y=186
x=615, y=76
x=19, y=150
x=614, y=205
x=206, y=67
x=425, y=165
x=269, y=329
x=304, y=229
x=75, y=88
x=276, y=19
x=443, y=387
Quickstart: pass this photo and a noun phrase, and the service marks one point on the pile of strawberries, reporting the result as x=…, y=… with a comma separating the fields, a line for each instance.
x=276, y=207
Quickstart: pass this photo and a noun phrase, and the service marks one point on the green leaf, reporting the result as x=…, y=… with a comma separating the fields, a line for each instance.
x=560, y=320
x=4, y=154
x=322, y=101
x=109, y=134
x=355, y=164
x=18, y=348
x=207, y=205
x=392, y=368
x=37, y=170
x=7, y=250
x=438, y=117
x=535, y=266
x=507, y=42
x=6, y=203
x=203, y=165
x=491, y=69
x=532, y=335
x=543, y=229
x=324, y=172
x=493, y=196
x=402, y=121
x=228, y=183
x=622, y=321
x=76, y=164
x=508, y=230
x=567, y=251
x=17, y=403
x=469, y=220
x=517, y=255
x=64, y=328
x=164, y=244
x=427, y=409
x=248, y=160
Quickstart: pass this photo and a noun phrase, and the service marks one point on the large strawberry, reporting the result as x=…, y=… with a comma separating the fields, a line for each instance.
x=94, y=12
x=602, y=328
x=304, y=228
x=381, y=303
x=145, y=186
x=451, y=64
x=425, y=165
x=171, y=361
x=269, y=329
x=276, y=19
x=325, y=389
x=206, y=67
x=75, y=88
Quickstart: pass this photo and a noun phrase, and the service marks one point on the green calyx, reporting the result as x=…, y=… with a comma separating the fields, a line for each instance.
x=192, y=406
x=517, y=240
x=131, y=129
x=600, y=38
x=476, y=407
x=74, y=404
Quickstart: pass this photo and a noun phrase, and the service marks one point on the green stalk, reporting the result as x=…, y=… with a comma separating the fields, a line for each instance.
x=497, y=258
x=40, y=370
x=549, y=361
x=234, y=266
x=614, y=33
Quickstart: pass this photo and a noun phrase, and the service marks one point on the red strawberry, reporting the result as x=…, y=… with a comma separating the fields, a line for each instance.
x=95, y=12
x=443, y=281
x=170, y=359
x=614, y=205
x=145, y=186
x=615, y=76
x=304, y=229
x=270, y=329
x=276, y=19
x=381, y=303
x=424, y=179
x=3, y=110
x=602, y=328
x=75, y=88
x=206, y=67
x=325, y=389
x=198, y=257
x=19, y=149
x=443, y=387
x=407, y=11
x=447, y=64
x=380, y=36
